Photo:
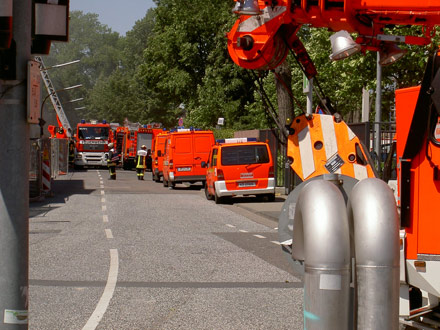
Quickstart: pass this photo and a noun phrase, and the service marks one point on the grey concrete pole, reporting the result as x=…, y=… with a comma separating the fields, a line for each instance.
x=378, y=116
x=14, y=180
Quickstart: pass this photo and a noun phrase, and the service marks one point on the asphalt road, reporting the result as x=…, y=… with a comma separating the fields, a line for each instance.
x=131, y=254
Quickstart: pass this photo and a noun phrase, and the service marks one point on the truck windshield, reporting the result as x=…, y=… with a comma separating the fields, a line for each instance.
x=93, y=133
x=243, y=155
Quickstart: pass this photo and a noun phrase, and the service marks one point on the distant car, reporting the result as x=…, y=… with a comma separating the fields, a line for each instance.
x=240, y=166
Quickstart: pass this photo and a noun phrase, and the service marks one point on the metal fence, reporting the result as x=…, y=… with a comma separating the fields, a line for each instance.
x=49, y=158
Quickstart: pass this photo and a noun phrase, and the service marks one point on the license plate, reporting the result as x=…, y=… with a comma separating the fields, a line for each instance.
x=247, y=184
x=183, y=169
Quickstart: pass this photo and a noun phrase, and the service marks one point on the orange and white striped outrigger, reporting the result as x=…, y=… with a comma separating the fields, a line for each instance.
x=322, y=144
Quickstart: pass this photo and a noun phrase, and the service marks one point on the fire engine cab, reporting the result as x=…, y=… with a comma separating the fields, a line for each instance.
x=240, y=166
x=91, y=143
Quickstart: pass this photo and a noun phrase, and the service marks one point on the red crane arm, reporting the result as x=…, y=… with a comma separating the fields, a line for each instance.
x=259, y=41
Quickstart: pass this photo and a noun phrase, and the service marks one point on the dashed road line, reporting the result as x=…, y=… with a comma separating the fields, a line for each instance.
x=104, y=208
x=256, y=235
x=102, y=192
x=103, y=200
x=105, y=218
x=108, y=233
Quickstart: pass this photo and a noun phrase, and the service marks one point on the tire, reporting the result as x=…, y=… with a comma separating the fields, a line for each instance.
x=172, y=185
x=271, y=197
x=208, y=196
x=165, y=183
x=218, y=200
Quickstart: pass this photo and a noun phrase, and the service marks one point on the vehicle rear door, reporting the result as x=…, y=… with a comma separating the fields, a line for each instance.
x=202, y=147
x=183, y=153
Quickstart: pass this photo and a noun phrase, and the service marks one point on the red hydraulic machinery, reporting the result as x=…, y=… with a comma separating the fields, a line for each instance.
x=396, y=255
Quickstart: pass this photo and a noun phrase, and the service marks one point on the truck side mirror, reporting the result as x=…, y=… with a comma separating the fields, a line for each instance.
x=203, y=164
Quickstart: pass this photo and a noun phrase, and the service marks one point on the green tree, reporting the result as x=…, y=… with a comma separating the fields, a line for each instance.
x=97, y=48
x=186, y=69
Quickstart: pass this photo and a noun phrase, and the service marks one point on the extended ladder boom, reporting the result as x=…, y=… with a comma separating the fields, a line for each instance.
x=61, y=116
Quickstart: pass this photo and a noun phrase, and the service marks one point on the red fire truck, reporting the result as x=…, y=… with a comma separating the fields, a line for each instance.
x=91, y=144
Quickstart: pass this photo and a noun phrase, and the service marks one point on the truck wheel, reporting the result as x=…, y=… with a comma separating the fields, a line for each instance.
x=217, y=199
x=208, y=196
x=270, y=197
x=172, y=185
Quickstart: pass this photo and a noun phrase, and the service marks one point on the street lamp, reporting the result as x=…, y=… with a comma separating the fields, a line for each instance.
x=59, y=65
x=75, y=100
x=42, y=122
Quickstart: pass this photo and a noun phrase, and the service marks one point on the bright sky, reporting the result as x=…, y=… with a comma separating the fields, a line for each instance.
x=119, y=15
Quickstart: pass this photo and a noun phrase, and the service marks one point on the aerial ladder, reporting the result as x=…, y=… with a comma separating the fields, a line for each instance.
x=65, y=130
x=367, y=264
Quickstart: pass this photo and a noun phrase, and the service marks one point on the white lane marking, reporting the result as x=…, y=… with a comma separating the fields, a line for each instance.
x=259, y=236
x=105, y=218
x=101, y=186
x=101, y=182
x=107, y=295
x=276, y=228
x=243, y=231
x=104, y=208
x=275, y=242
x=108, y=233
x=102, y=192
x=231, y=226
x=103, y=200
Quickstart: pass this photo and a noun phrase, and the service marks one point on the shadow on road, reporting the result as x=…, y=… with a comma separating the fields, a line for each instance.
x=61, y=191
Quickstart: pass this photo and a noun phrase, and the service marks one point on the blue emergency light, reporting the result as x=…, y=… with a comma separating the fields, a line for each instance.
x=236, y=140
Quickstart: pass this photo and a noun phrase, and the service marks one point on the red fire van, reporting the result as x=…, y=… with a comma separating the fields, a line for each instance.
x=157, y=155
x=240, y=166
x=184, y=151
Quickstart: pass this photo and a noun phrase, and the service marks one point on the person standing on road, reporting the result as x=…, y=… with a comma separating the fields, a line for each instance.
x=149, y=160
x=112, y=161
x=141, y=162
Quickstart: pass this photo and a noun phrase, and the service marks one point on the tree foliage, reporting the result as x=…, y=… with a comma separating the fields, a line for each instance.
x=174, y=63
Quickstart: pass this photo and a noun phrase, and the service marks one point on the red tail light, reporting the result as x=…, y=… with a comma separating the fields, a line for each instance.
x=271, y=172
x=220, y=175
x=171, y=164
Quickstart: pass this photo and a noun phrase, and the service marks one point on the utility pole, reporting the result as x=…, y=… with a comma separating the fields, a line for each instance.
x=14, y=179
